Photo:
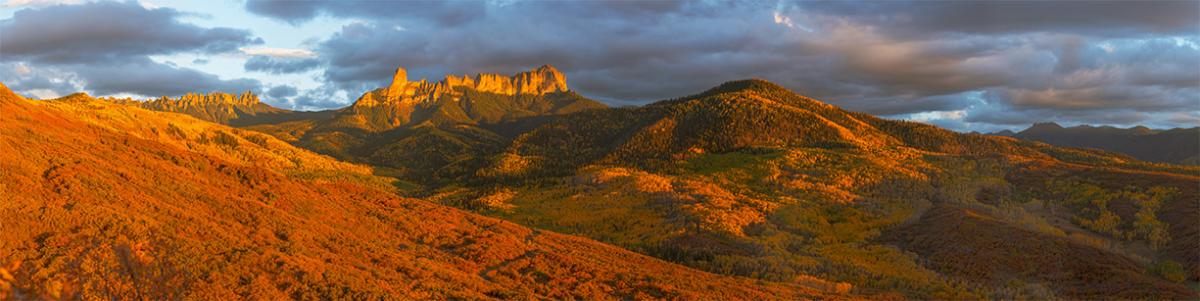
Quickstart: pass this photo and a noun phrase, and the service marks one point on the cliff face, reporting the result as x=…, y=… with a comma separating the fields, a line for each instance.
x=483, y=98
x=543, y=80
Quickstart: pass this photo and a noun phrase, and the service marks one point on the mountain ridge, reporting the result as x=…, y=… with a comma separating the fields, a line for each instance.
x=1178, y=145
x=217, y=107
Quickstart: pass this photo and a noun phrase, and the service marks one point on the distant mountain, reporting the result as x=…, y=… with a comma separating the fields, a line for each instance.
x=1180, y=146
x=216, y=107
x=108, y=201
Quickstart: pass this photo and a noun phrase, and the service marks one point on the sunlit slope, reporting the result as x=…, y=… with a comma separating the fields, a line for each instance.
x=111, y=202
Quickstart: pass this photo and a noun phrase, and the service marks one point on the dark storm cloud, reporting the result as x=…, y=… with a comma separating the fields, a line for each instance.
x=105, y=48
x=107, y=30
x=280, y=65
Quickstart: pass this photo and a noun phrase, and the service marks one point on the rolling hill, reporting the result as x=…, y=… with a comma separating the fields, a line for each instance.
x=104, y=200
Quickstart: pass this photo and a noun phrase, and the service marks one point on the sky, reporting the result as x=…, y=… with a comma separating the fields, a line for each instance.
x=964, y=65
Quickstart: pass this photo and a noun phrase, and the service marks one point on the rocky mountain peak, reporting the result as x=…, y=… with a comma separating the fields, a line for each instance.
x=544, y=79
x=1045, y=126
x=401, y=87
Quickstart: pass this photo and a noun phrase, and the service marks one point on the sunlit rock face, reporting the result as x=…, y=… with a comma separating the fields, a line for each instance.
x=543, y=80
x=482, y=98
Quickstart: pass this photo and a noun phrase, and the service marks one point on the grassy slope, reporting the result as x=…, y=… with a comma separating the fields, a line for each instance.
x=106, y=201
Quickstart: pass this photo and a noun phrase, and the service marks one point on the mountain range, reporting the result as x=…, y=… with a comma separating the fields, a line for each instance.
x=1179, y=145
x=516, y=187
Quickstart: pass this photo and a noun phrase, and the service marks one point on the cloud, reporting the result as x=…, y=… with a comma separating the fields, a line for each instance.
x=278, y=52
x=153, y=79
x=323, y=97
x=281, y=91
x=989, y=64
x=280, y=65
x=885, y=59
x=437, y=12
x=1098, y=18
x=106, y=30
x=24, y=3
x=105, y=48
x=37, y=82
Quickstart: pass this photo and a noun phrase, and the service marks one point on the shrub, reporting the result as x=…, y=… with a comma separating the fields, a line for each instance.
x=223, y=138
x=1169, y=270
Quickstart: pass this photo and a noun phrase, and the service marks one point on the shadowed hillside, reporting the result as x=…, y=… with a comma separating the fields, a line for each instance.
x=111, y=201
